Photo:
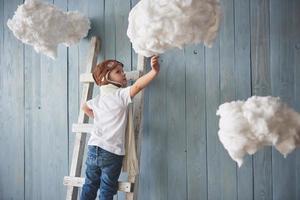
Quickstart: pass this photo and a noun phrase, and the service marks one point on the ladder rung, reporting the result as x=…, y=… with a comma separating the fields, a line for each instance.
x=78, y=182
x=131, y=75
x=82, y=128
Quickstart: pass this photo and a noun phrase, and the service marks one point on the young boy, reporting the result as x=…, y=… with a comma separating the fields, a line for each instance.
x=109, y=110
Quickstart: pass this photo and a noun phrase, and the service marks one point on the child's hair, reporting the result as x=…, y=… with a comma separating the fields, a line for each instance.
x=102, y=70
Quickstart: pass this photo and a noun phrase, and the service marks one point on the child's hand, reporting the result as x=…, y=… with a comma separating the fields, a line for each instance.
x=143, y=81
x=89, y=112
x=154, y=63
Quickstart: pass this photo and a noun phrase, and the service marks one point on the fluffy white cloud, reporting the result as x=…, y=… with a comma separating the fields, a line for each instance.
x=157, y=25
x=44, y=26
x=246, y=126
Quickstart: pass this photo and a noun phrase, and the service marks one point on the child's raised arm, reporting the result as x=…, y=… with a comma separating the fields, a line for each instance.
x=89, y=112
x=143, y=81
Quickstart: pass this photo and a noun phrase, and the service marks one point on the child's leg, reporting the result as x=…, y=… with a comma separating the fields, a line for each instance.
x=111, y=165
x=92, y=175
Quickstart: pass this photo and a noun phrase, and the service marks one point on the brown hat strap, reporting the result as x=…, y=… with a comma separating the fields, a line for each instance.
x=110, y=81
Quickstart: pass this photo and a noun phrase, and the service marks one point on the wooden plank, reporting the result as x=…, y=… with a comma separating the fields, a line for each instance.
x=153, y=182
x=296, y=63
x=1, y=33
x=123, y=45
x=1, y=82
x=96, y=15
x=243, y=87
x=143, y=181
x=110, y=31
x=1, y=79
x=82, y=128
x=212, y=64
x=80, y=139
x=79, y=181
x=140, y=179
x=282, y=82
x=33, y=127
x=12, y=108
x=196, y=122
x=130, y=75
x=227, y=93
x=260, y=54
x=176, y=126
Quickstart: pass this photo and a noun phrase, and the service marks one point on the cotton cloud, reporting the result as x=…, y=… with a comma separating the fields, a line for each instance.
x=246, y=126
x=157, y=25
x=44, y=26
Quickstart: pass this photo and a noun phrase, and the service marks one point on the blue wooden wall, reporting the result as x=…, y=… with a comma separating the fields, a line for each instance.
x=257, y=52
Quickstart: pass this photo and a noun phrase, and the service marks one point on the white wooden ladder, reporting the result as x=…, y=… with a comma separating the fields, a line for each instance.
x=73, y=181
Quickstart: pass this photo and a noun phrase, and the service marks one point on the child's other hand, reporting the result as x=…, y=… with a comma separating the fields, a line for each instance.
x=154, y=63
x=89, y=112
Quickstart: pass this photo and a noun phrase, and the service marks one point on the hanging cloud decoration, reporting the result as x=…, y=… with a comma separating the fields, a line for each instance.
x=246, y=126
x=157, y=25
x=44, y=26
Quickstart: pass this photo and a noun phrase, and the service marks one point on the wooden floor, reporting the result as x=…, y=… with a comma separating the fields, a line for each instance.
x=257, y=53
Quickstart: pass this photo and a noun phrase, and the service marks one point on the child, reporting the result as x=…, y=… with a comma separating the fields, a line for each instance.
x=109, y=110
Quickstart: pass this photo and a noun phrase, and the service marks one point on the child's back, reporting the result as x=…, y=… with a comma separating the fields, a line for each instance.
x=110, y=118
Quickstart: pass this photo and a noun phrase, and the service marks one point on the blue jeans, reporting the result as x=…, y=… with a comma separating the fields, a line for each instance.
x=103, y=169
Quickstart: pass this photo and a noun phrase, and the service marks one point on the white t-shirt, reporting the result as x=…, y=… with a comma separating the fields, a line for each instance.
x=110, y=118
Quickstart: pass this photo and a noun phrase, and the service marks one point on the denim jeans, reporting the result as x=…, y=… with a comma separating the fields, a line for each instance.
x=103, y=169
